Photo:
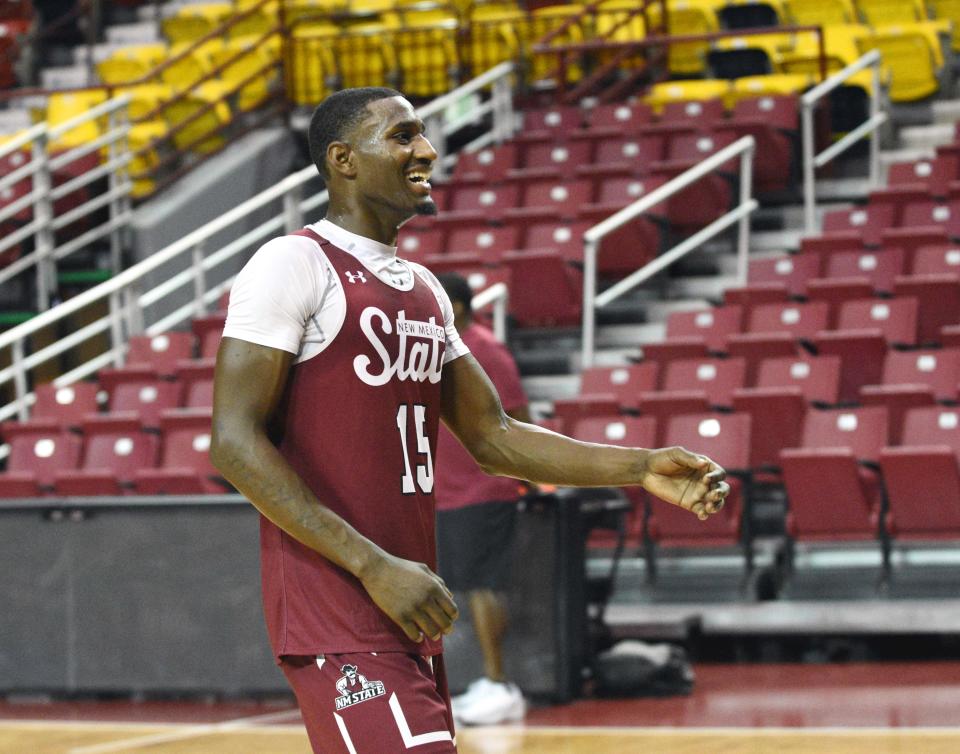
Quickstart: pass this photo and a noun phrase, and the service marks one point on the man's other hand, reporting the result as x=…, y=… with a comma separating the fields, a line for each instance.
x=689, y=480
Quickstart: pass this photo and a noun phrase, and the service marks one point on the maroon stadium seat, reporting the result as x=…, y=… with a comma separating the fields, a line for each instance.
x=938, y=299
x=774, y=152
x=615, y=191
x=792, y=271
x=488, y=165
x=751, y=295
x=938, y=369
x=553, y=198
x=801, y=321
x=817, y=377
x=896, y=318
x=779, y=111
x=571, y=410
x=832, y=495
x=66, y=405
x=663, y=406
x=115, y=447
x=693, y=112
x=626, y=382
x=933, y=175
x=553, y=290
x=565, y=238
x=861, y=355
x=717, y=378
x=931, y=212
x=185, y=467
x=416, y=243
x=636, y=152
x=831, y=243
x=626, y=118
x=898, y=400
x=879, y=267
x=776, y=415
x=910, y=239
x=936, y=259
x=489, y=242
x=559, y=159
x=197, y=380
x=869, y=221
x=755, y=348
x=923, y=476
x=141, y=390
x=160, y=352
x=209, y=331
x=551, y=120
x=38, y=450
x=479, y=203
x=837, y=291
x=713, y=325
x=667, y=350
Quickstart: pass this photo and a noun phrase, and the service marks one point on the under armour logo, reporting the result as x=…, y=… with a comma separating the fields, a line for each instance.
x=353, y=277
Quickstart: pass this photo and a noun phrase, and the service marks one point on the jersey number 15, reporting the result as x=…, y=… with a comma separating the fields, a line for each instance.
x=424, y=471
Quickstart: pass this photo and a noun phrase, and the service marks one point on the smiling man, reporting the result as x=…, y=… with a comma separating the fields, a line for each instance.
x=337, y=363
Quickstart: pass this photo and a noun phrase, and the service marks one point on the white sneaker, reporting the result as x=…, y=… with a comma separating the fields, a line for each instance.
x=475, y=689
x=489, y=703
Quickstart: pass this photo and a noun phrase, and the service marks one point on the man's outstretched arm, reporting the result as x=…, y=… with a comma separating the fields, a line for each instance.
x=248, y=384
x=502, y=445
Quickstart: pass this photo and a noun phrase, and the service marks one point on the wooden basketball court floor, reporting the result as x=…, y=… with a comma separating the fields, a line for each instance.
x=876, y=708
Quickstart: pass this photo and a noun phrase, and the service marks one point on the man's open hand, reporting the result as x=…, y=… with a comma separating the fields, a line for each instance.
x=689, y=480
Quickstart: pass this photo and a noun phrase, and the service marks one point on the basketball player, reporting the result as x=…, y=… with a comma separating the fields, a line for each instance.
x=338, y=361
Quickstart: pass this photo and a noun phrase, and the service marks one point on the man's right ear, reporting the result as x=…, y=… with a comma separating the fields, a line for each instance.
x=340, y=159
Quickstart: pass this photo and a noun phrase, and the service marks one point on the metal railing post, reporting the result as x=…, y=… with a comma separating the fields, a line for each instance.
x=43, y=216
x=503, y=109
x=590, y=249
x=500, y=319
x=746, y=193
x=809, y=178
x=292, y=213
x=435, y=135
x=199, y=278
x=19, y=379
x=116, y=327
x=875, y=136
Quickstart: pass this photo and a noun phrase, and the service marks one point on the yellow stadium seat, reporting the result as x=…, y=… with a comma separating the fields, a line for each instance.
x=312, y=71
x=258, y=23
x=194, y=66
x=949, y=11
x=191, y=22
x=247, y=70
x=686, y=58
x=682, y=91
x=301, y=13
x=494, y=35
x=427, y=56
x=754, y=54
x=908, y=60
x=370, y=7
x=841, y=47
x=619, y=21
x=204, y=134
x=132, y=63
x=543, y=21
x=146, y=99
x=878, y=13
x=362, y=55
x=774, y=84
x=145, y=141
x=821, y=12
x=62, y=106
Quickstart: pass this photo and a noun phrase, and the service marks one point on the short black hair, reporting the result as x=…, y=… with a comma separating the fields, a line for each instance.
x=458, y=289
x=337, y=115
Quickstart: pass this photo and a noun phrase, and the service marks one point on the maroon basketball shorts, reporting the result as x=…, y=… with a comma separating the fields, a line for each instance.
x=385, y=703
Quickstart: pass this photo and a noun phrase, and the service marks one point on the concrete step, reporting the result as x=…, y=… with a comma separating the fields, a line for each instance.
x=946, y=111
x=143, y=32
x=624, y=336
x=658, y=311
x=927, y=137
x=703, y=288
x=911, y=154
x=551, y=387
x=66, y=77
x=775, y=241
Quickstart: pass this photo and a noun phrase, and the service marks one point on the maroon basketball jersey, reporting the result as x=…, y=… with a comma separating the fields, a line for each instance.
x=358, y=422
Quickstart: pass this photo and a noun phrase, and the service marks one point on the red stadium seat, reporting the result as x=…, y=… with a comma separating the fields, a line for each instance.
x=553, y=198
x=488, y=165
x=185, y=467
x=869, y=221
x=831, y=243
x=115, y=447
x=558, y=121
x=480, y=203
x=417, y=243
x=772, y=169
x=208, y=331
x=663, y=406
x=687, y=148
x=554, y=159
x=160, y=352
x=625, y=383
x=716, y=378
x=878, y=267
x=489, y=242
x=626, y=118
x=571, y=410
x=553, y=290
x=832, y=496
x=755, y=348
x=926, y=505
x=65, y=405
x=614, y=192
x=937, y=369
x=861, y=355
x=910, y=239
x=936, y=259
x=630, y=431
x=938, y=299
x=140, y=389
x=801, y=321
x=667, y=350
x=693, y=112
x=898, y=400
x=817, y=377
x=751, y=295
x=792, y=271
x=930, y=212
x=636, y=152
x=38, y=450
x=776, y=415
x=779, y=111
x=838, y=291
x=895, y=318
x=197, y=380
x=933, y=175
x=712, y=325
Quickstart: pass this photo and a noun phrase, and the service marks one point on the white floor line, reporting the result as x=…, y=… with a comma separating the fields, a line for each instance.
x=191, y=731
x=546, y=730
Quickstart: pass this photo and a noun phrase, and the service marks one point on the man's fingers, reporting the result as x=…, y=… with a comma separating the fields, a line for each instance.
x=715, y=476
x=411, y=629
x=440, y=618
x=427, y=625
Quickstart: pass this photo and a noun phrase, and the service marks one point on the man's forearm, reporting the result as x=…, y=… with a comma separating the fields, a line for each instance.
x=525, y=451
x=264, y=477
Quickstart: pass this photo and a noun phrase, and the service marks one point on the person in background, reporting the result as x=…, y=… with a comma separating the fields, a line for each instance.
x=476, y=514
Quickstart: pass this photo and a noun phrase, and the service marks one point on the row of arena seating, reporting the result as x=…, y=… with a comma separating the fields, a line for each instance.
x=16, y=20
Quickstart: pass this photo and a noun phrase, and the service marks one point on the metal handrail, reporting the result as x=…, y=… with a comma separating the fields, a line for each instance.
x=742, y=148
x=124, y=292
x=40, y=168
x=811, y=160
x=499, y=295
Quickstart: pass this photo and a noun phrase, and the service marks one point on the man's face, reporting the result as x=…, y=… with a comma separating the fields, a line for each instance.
x=394, y=158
